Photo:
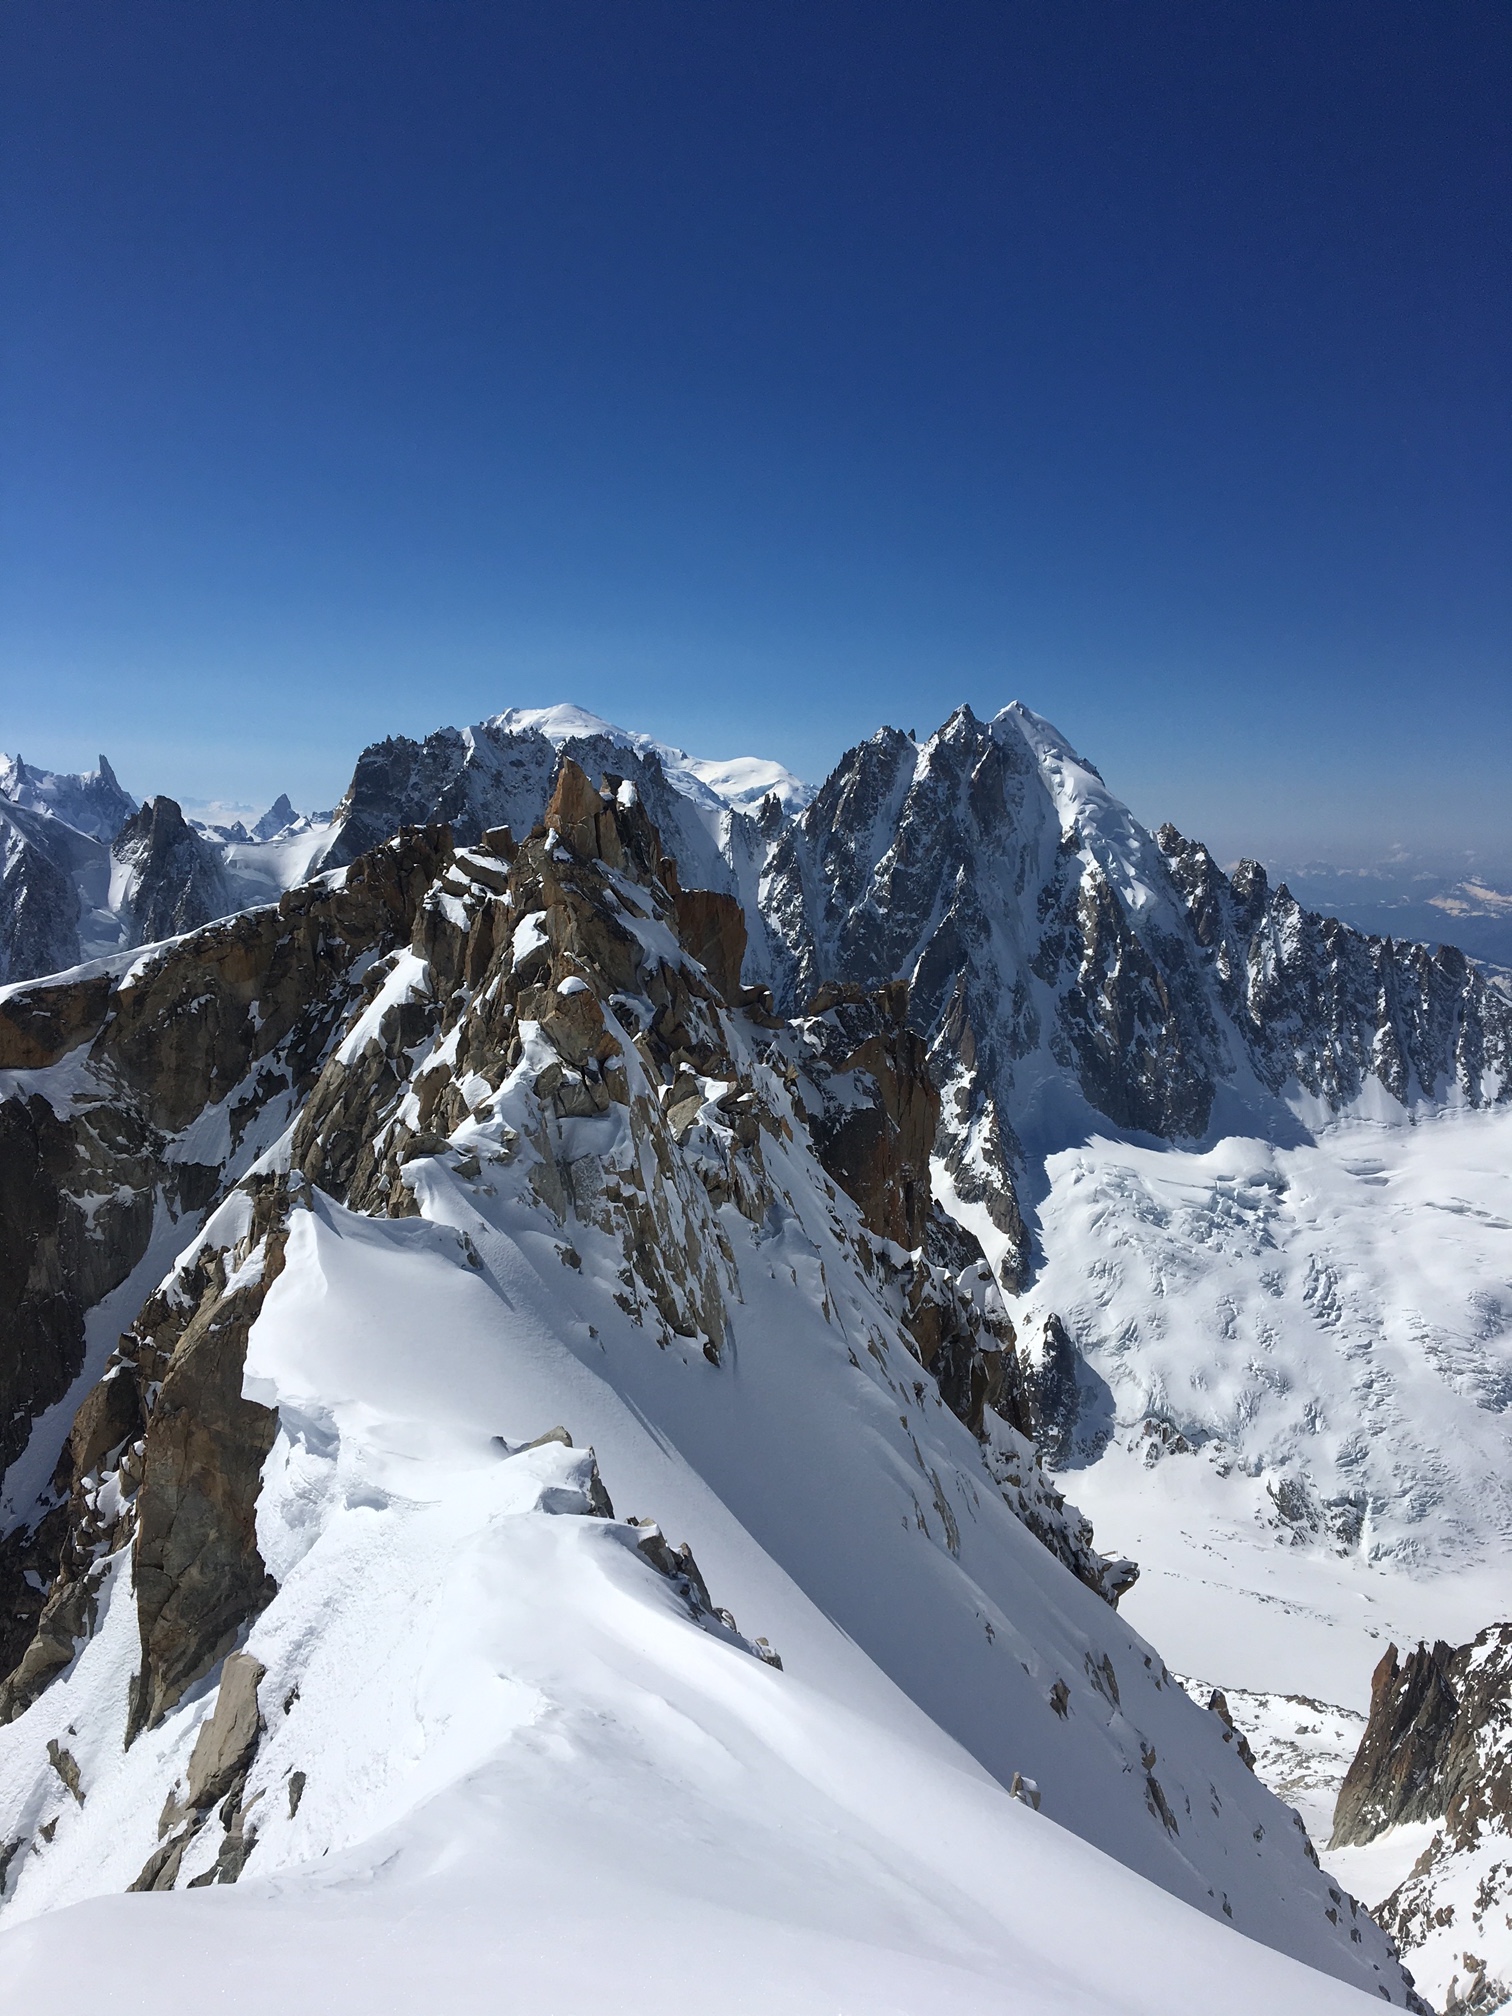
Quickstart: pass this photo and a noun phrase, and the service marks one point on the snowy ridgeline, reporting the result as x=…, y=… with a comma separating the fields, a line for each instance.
x=498, y=1746
x=85, y=871
x=1243, y=1176
x=484, y=1727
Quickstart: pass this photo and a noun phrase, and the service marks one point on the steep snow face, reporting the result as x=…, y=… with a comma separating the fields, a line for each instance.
x=498, y=1748
x=590, y=1198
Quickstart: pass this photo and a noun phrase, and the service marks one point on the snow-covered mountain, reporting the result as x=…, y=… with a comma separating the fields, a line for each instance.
x=92, y=802
x=86, y=872
x=1075, y=974
x=487, y=1149
x=55, y=834
x=1242, y=1178
x=1150, y=1071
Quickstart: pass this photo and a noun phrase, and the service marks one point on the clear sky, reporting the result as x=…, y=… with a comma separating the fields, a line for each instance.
x=756, y=373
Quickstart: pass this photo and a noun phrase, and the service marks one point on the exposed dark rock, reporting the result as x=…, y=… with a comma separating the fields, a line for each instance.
x=224, y=1748
x=199, y=1576
x=1437, y=1743
x=67, y=1616
x=177, y=879
x=712, y=927
x=66, y=1765
x=877, y=1108
x=1438, y=1747
x=1052, y=1388
x=243, y=1011
x=278, y=815
x=218, y=1765
x=1219, y=1706
x=1408, y=1765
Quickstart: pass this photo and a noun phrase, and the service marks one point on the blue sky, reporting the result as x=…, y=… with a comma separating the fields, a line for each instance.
x=757, y=373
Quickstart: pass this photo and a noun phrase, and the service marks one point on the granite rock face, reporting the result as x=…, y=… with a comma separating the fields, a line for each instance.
x=175, y=880
x=877, y=1110
x=196, y=1567
x=178, y=1073
x=1068, y=971
x=1437, y=1748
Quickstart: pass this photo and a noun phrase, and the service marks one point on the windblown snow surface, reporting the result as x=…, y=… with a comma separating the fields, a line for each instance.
x=533, y=1782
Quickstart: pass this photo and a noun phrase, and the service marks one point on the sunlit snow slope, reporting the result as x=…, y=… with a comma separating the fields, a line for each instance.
x=503, y=1741
x=524, y=1762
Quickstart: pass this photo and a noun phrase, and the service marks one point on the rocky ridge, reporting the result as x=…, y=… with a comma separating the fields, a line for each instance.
x=1437, y=1748
x=131, y=1101
x=532, y=1033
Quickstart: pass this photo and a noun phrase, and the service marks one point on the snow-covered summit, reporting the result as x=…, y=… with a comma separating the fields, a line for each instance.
x=91, y=802
x=741, y=782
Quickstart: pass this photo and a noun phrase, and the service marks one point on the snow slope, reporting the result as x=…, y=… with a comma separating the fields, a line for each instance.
x=489, y=1693
x=1327, y=1328
x=525, y=1763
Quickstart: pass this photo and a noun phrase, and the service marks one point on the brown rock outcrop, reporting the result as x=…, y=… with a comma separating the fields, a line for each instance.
x=876, y=1129
x=1437, y=1743
x=712, y=928
x=198, y=1574
x=241, y=1013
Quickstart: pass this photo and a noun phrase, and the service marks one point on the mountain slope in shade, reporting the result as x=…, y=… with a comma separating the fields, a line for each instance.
x=550, y=1173
x=1074, y=974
